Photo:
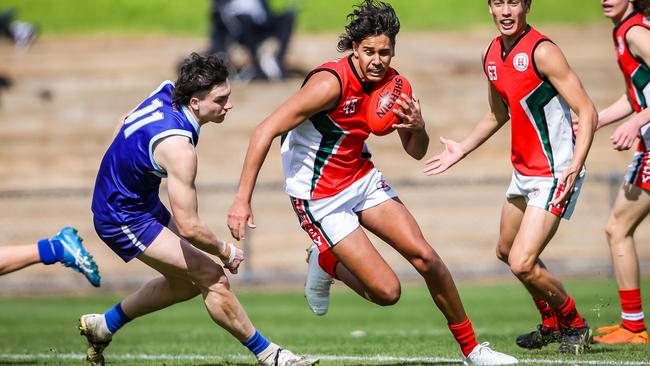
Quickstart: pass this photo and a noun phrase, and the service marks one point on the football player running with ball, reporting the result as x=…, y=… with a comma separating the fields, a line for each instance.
x=335, y=189
x=532, y=85
x=157, y=140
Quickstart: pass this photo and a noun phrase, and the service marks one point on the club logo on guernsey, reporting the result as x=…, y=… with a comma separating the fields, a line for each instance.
x=621, y=45
x=520, y=62
x=646, y=21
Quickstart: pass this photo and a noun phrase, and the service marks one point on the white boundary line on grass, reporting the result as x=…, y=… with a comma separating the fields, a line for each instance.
x=378, y=358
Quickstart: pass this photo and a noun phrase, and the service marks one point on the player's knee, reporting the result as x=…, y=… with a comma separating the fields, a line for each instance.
x=387, y=294
x=522, y=268
x=208, y=275
x=615, y=231
x=502, y=253
x=427, y=262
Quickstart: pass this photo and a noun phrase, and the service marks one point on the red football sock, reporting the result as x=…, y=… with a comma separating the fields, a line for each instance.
x=549, y=318
x=632, y=314
x=328, y=262
x=568, y=315
x=464, y=334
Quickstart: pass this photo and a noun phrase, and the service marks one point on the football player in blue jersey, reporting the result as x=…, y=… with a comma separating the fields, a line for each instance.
x=65, y=247
x=157, y=140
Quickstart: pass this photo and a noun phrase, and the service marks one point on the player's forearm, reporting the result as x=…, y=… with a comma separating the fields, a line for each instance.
x=258, y=148
x=201, y=236
x=584, y=136
x=483, y=131
x=615, y=112
x=417, y=144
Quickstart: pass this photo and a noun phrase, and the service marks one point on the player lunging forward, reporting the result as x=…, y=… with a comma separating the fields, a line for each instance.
x=335, y=189
x=532, y=85
x=157, y=140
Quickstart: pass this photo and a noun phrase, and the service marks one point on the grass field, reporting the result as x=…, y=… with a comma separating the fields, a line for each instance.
x=43, y=330
x=192, y=16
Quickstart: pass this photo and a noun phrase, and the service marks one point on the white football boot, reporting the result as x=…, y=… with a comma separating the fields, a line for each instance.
x=94, y=327
x=317, y=284
x=273, y=355
x=482, y=354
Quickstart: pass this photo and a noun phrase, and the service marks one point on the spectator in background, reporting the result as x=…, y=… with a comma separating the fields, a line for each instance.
x=250, y=23
x=21, y=33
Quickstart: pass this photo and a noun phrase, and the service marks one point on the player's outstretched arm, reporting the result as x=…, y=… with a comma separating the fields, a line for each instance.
x=551, y=63
x=177, y=156
x=496, y=116
x=638, y=39
x=320, y=93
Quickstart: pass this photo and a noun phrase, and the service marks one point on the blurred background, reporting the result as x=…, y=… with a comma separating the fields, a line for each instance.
x=64, y=87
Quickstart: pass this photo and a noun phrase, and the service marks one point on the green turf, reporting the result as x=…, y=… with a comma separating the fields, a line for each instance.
x=192, y=16
x=43, y=331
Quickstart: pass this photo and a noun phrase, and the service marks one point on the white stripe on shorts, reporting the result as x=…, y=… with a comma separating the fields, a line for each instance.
x=134, y=240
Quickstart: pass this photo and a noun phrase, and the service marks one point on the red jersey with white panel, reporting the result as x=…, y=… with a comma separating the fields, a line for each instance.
x=635, y=71
x=327, y=152
x=542, y=136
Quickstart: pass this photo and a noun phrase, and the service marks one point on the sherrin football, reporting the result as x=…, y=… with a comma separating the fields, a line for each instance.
x=382, y=102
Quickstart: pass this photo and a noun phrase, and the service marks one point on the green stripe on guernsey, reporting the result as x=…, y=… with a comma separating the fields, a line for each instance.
x=534, y=105
x=641, y=82
x=316, y=223
x=332, y=136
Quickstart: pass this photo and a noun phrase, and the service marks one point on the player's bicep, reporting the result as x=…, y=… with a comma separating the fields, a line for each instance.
x=320, y=93
x=497, y=107
x=639, y=40
x=176, y=155
x=552, y=64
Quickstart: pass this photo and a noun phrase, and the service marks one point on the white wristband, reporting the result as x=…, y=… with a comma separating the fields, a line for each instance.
x=233, y=251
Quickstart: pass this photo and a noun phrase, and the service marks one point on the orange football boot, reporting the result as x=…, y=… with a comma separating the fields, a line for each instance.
x=608, y=329
x=616, y=334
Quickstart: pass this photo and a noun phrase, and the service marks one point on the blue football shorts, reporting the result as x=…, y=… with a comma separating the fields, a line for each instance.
x=129, y=240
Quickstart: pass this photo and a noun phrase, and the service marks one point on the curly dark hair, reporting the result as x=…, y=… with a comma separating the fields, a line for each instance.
x=643, y=7
x=370, y=18
x=197, y=76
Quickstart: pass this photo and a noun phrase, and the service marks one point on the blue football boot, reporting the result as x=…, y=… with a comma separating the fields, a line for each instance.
x=75, y=255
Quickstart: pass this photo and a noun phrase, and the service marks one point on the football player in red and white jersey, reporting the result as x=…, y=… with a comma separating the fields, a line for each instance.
x=531, y=84
x=335, y=189
x=632, y=42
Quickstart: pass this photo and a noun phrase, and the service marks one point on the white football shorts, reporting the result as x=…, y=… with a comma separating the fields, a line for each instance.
x=328, y=220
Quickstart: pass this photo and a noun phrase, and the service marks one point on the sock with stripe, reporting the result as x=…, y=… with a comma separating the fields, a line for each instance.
x=465, y=336
x=632, y=310
x=50, y=251
x=328, y=262
x=115, y=318
x=259, y=345
x=549, y=318
x=568, y=315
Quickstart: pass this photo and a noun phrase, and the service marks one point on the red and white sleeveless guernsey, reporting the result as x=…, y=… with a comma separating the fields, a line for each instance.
x=636, y=72
x=542, y=136
x=327, y=152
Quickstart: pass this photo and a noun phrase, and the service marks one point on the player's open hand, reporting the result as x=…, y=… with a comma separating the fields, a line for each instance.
x=624, y=135
x=443, y=161
x=240, y=215
x=411, y=114
x=565, y=187
x=235, y=258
